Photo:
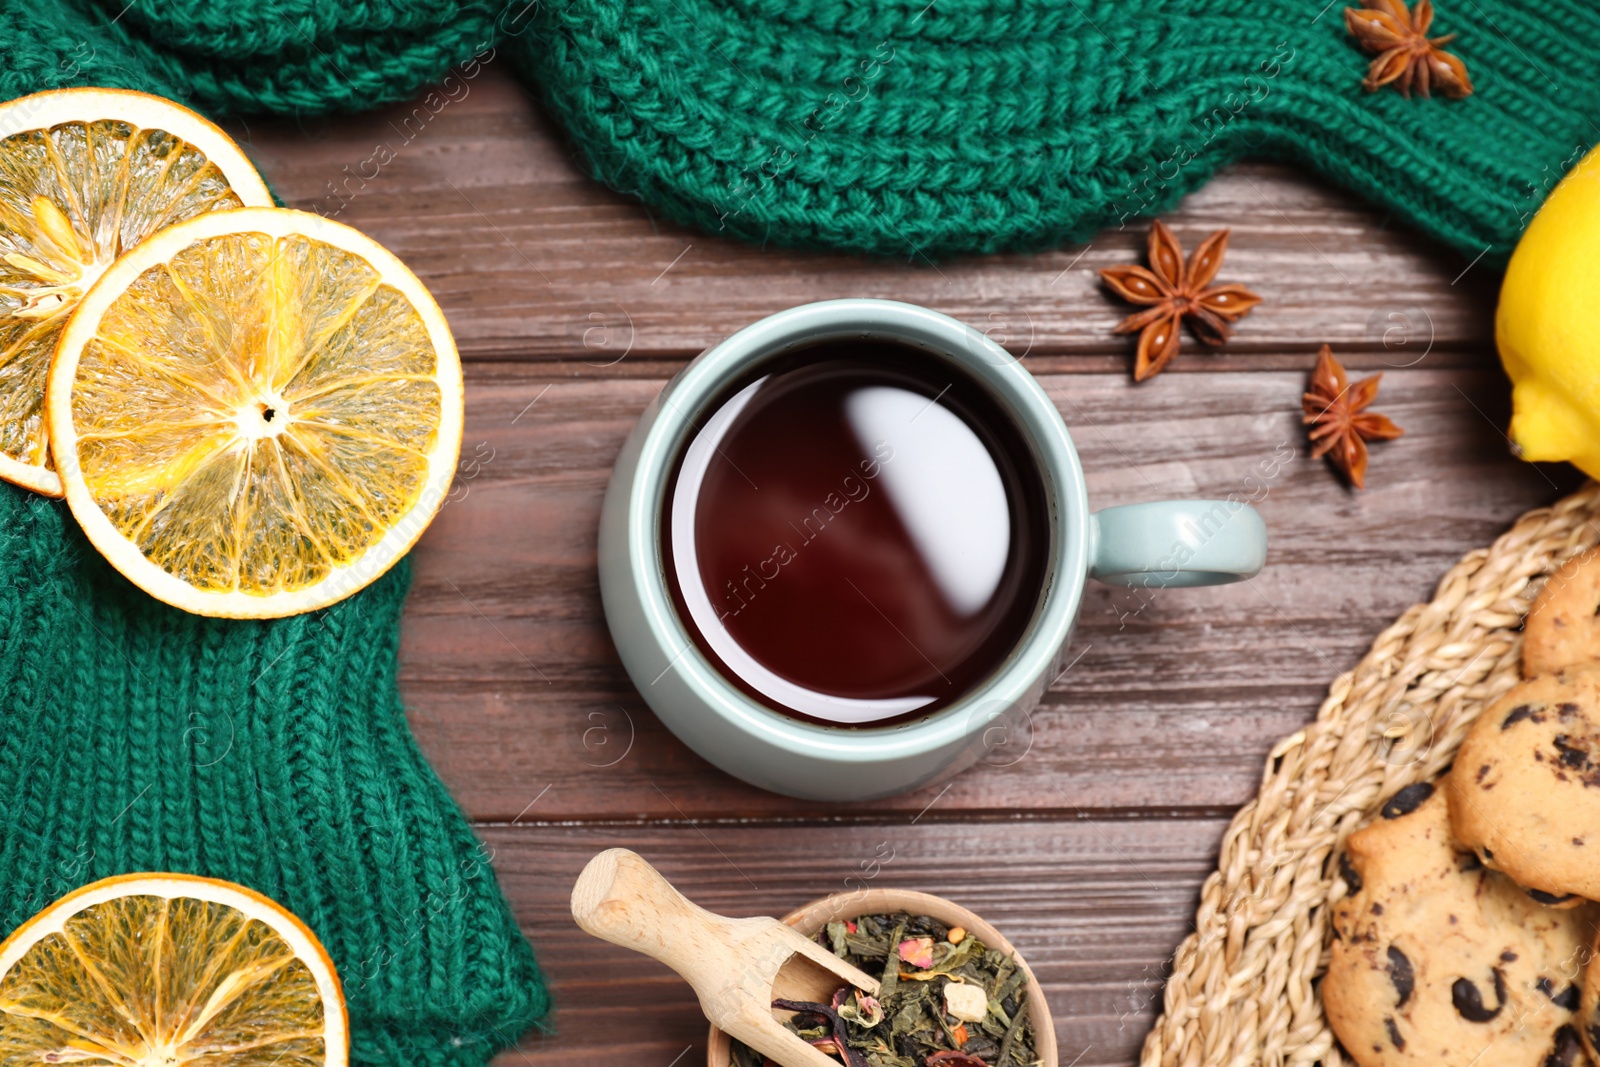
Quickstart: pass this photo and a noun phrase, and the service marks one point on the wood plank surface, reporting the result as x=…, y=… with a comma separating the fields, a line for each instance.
x=533, y=260
x=1095, y=906
x=1171, y=699
x=1088, y=837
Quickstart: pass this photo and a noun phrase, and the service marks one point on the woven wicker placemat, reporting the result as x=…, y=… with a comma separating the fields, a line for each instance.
x=1240, y=993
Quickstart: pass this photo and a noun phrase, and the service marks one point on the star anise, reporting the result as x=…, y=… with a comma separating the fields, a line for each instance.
x=1174, y=292
x=1340, y=424
x=1407, y=57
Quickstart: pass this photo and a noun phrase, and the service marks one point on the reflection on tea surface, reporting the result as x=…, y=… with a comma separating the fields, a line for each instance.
x=858, y=536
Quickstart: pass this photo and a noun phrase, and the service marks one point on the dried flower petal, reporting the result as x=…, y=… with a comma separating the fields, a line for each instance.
x=864, y=1010
x=917, y=951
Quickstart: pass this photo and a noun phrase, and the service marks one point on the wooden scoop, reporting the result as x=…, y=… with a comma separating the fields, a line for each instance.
x=736, y=966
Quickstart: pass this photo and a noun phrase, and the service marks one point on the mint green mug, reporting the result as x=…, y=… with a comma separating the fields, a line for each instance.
x=1163, y=544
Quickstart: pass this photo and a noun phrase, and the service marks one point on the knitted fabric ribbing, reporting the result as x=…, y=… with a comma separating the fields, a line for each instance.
x=896, y=127
x=273, y=754
x=907, y=128
x=902, y=127
x=289, y=57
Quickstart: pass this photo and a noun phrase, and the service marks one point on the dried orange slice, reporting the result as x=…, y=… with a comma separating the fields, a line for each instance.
x=85, y=174
x=255, y=412
x=163, y=970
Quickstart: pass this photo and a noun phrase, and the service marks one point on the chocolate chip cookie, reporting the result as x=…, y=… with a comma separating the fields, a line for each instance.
x=1525, y=789
x=1563, y=626
x=1438, y=961
x=1589, y=1006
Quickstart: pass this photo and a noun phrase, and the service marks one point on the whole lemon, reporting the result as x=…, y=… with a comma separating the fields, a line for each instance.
x=1548, y=325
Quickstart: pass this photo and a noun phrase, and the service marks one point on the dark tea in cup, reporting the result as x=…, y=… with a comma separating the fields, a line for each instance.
x=856, y=534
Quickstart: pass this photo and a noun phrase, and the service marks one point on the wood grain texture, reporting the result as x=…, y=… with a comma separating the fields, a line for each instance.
x=737, y=965
x=1171, y=700
x=1095, y=905
x=1086, y=838
x=531, y=259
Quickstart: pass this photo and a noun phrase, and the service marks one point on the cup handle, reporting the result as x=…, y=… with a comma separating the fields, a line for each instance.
x=1177, y=543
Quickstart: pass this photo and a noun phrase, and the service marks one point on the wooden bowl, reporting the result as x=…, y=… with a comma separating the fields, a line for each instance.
x=811, y=918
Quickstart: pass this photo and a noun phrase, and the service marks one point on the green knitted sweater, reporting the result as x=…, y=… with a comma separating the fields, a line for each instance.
x=902, y=127
x=276, y=753
x=273, y=754
x=916, y=128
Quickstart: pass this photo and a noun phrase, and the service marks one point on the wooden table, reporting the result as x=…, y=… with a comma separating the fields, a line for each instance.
x=1087, y=842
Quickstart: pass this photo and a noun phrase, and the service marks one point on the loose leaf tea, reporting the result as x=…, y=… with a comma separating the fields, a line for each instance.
x=945, y=999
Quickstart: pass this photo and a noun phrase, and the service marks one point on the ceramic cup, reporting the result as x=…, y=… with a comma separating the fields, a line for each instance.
x=1169, y=543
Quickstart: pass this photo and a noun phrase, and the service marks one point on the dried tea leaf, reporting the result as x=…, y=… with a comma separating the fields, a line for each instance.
x=838, y=933
x=863, y=1010
x=890, y=977
x=946, y=959
x=908, y=1024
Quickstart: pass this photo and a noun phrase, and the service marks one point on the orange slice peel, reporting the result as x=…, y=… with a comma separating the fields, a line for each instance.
x=163, y=970
x=86, y=174
x=255, y=413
